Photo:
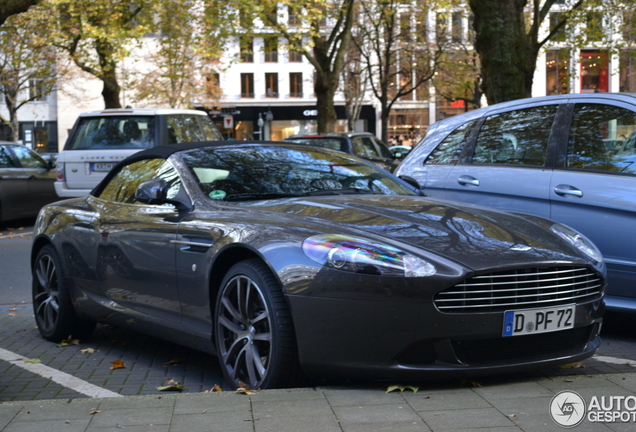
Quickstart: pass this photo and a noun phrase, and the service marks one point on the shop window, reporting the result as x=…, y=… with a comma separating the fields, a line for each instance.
x=627, y=76
x=557, y=72
x=594, y=72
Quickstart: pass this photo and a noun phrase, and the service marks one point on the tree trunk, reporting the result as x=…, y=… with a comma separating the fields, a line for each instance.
x=111, y=91
x=504, y=48
x=10, y=98
x=108, y=65
x=325, y=89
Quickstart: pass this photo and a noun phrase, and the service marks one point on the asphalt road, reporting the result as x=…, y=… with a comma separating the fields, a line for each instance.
x=34, y=369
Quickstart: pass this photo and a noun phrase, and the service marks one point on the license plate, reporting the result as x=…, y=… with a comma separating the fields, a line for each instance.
x=102, y=166
x=531, y=321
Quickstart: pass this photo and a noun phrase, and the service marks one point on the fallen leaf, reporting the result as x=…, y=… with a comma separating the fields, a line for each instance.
x=33, y=361
x=471, y=383
x=68, y=342
x=117, y=364
x=577, y=365
x=174, y=362
x=94, y=412
x=248, y=392
x=87, y=350
x=12, y=314
x=216, y=388
x=171, y=385
x=12, y=309
x=401, y=388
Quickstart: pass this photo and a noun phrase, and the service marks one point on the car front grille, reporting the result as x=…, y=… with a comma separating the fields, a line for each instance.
x=520, y=289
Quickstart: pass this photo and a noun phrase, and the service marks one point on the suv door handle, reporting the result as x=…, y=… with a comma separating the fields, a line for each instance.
x=563, y=189
x=466, y=179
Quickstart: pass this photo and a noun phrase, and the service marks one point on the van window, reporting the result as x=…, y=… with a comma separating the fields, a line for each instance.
x=517, y=137
x=184, y=128
x=602, y=138
x=447, y=152
x=113, y=132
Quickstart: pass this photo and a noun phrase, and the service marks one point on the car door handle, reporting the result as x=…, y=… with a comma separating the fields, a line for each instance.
x=567, y=190
x=465, y=179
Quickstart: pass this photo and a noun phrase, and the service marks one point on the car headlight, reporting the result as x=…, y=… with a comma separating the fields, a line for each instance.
x=577, y=240
x=364, y=256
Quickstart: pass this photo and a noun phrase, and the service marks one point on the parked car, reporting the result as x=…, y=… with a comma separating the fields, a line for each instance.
x=365, y=145
x=282, y=259
x=100, y=139
x=26, y=182
x=570, y=158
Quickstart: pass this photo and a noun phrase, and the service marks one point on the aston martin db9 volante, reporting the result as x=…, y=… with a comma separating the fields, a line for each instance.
x=289, y=261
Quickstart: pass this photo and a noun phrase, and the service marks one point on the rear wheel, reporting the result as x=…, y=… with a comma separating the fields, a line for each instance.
x=254, y=331
x=53, y=308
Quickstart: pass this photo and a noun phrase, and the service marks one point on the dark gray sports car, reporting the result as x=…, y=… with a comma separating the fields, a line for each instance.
x=288, y=261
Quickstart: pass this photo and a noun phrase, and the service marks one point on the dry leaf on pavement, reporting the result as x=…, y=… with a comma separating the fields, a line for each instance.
x=117, y=364
x=171, y=385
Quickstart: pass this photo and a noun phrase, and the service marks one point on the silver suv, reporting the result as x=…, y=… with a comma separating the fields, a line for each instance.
x=101, y=139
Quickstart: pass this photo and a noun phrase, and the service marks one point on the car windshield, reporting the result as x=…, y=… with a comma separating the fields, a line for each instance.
x=330, y=143
x=267, y=172
x=114, y=132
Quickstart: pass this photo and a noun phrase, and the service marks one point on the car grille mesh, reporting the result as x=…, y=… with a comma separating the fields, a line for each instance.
x=520, y=289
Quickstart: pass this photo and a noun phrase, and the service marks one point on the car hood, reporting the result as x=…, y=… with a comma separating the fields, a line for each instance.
x=474, y=236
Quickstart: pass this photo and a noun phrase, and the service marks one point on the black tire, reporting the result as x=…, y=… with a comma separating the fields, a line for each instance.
x=253, y=330
x=54, y=313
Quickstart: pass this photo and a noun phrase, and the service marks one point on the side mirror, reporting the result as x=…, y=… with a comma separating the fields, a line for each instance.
x=411, y=182
x=153, y=191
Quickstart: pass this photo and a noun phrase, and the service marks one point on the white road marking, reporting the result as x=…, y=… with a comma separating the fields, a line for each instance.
x=62, y=378
x=614, y=360
x=16, y=234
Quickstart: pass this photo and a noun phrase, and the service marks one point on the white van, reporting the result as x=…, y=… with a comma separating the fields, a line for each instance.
x=101, y=139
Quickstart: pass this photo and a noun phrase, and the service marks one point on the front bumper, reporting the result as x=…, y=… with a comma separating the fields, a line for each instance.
x=413, y=340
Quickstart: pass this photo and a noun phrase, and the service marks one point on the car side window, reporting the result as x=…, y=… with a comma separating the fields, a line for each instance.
x=5, y=159
x=518, y=137
x=28, y=158
x=359, y=149
x=447, y=152
x=182, y=128
x=123, y=186
x=210, y=130
x=383, y=149
x=602, y=138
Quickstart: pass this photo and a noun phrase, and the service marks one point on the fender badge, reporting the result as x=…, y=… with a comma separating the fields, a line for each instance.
x=520, y=248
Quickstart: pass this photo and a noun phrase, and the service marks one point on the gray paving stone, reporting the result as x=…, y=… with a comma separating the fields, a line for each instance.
x=48, y=425
x=212, y=403
x=290, y=408
x=465, y=419
x=445, y=400
x=347, y=397
x=214, y=422
x=134, y=416
x=371, y=414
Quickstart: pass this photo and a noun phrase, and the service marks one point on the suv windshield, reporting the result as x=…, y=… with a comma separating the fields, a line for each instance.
x=330, y=143
x=114, y=132
x=264, y=172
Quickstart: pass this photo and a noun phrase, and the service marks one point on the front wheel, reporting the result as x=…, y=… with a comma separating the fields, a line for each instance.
x=253, y=330
x=54, y=313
